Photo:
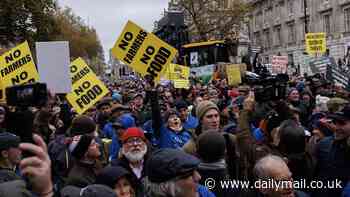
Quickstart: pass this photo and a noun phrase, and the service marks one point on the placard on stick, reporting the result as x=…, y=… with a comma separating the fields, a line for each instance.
x=143, y=51
x=53, y=65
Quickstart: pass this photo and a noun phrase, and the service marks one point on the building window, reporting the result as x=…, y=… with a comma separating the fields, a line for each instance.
x=257, y=38
x=267, y=39
x=226, y=4
x=278, y=11
x=267, y=16
x=327, y=23
x=291, y=33
x=290, y=6
x=258, y=20
x=223, y=4
x=347, y=19
x=278, y=36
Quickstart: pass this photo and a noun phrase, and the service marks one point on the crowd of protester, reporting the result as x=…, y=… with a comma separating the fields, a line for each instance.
x=157, y=141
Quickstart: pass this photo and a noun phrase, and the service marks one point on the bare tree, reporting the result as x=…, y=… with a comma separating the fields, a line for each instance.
x=215, y=18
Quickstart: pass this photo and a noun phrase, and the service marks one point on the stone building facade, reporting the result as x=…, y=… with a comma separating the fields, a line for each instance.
x=278, y=26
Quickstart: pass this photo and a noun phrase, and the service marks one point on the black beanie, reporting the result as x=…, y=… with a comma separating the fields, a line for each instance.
x=180, y=105
x=82, y=146
x=211, y=146
x=168, y=114
x=82, y=125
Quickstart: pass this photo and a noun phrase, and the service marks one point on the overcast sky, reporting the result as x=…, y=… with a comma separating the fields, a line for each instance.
x=108, y=17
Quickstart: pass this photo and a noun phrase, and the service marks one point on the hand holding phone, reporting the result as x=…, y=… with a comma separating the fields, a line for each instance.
x=37, y=168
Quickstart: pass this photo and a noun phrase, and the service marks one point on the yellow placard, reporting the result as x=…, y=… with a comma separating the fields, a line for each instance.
x=243, y=68
x=143, y=51
x=87, y=89
x=178, y=72
x=315, y=43
x=181, y=83
x=233, y=74
x=166, y=73
x=17, y=67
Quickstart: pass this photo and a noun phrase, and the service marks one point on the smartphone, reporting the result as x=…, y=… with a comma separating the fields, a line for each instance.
x=24, y=128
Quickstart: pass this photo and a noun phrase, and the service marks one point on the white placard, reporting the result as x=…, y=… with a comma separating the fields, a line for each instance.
x=194, y=58
x=53, y=65
x=279, y=64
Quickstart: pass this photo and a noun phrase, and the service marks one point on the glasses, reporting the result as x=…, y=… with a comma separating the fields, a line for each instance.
x=132, y=141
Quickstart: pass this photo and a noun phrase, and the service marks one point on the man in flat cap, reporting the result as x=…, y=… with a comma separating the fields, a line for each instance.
x=173, y=173
x=10, y=156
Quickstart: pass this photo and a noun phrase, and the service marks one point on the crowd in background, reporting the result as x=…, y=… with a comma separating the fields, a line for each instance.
x=146, y=139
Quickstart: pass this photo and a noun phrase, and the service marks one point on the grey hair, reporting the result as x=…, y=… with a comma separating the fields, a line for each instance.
x=165, y=189
x=262, y=167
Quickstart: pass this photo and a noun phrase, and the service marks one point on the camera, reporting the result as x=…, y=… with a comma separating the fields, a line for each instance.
x=34, y=94
x=269, y=88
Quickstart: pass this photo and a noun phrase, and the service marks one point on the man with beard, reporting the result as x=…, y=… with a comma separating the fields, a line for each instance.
x=134, y=152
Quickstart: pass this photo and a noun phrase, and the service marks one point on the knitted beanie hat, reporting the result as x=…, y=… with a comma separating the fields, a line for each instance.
x=205, y=106
x=82, y=125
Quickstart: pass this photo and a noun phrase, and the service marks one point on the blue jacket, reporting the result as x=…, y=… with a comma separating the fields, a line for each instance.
x=191, y=123
x=109, y=132
x=114, y=148
x=171, y=139
x=204, y=192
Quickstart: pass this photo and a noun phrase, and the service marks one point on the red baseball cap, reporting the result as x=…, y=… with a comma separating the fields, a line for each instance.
x=133, y=132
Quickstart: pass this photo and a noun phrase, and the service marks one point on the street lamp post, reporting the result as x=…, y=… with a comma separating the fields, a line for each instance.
x=305, y=17
x=305, y=22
